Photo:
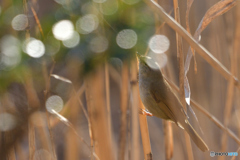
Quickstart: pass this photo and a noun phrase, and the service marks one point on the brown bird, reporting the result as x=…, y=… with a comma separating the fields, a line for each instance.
x=160, y=100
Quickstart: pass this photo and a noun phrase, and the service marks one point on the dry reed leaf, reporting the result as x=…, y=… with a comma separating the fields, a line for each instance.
x=61, y=78
x=37, y=21
x=189, y=4
x=168, y=134
x=187, y=90
x=216, y=10
x=25, y=8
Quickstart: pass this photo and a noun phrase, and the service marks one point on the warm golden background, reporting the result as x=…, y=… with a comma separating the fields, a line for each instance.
x=89, y=78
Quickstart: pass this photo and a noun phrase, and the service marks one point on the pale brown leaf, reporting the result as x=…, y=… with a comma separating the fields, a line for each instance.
x=61, y=78
x=189, y=4
x=216, y=10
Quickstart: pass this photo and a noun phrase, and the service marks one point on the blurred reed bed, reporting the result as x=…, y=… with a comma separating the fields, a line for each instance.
x=69, y=78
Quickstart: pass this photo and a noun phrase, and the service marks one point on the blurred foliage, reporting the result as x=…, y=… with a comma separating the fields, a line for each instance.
x=137, y=17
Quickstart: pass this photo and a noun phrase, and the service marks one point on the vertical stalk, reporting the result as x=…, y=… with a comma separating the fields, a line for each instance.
x=180, y=57
x=168, y=139
x=230, y=90
x=124, y=105
x=72, y=146
x=145, y=134
x=33, y=102
x=94, y=83
x=107, y=88
x=135, y=111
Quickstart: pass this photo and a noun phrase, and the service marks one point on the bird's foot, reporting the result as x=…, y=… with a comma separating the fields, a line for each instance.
x=144, y=112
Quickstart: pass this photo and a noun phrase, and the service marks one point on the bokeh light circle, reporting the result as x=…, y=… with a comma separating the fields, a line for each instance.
x=156, y=61
x=11, y=56
x=35, y=48
x=109, y=7
x=63, y=30
x=20, y=22
x=10, y=49
x=99, y=44
x=54, y=103
x=87, y=24
x=159, y=44
x=7, y=122
x=8, y=41
x=126, y=38
x=72, y=41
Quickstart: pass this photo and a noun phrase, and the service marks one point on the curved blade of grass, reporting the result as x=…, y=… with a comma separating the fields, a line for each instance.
x=216, y=10
x=189, y=4
x=37, y=21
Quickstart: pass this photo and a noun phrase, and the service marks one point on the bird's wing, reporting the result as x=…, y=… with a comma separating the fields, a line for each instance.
x=176, y=99
x=172, y=107
x=163, y=106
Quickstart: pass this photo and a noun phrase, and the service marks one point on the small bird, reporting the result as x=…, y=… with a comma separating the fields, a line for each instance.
x=160, y=100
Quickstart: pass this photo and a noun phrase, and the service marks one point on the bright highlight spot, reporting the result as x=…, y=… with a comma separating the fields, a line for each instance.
x=35, y=48
x=99, y=44
x=87, y=24
x=156, y=61
x=63, y=30
x=20, y=22
x=72, y=41
x=7, y=122
x=159, y=44
x=54, y=103
x=187, y=100
x=127, y=38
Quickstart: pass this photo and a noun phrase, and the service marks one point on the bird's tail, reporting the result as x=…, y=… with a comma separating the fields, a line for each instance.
x=195, y=137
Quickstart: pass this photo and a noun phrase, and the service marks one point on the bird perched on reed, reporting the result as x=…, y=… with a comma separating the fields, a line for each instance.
x=160, y=100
